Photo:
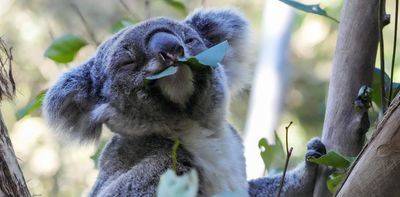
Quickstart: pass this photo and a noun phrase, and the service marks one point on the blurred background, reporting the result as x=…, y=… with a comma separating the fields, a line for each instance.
x=53, y=167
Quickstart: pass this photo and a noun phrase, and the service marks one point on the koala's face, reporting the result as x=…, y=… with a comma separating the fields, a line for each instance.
x=144, y=50
x=149, y=48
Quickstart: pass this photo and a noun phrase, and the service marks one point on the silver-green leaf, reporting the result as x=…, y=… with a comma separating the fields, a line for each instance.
x=314, y=8
x=171, y=184
x=210, y=57
x=167, y=72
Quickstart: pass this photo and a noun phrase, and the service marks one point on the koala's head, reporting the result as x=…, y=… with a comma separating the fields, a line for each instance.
x=111, y=88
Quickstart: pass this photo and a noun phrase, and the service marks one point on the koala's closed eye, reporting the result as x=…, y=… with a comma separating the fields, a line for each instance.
x=191, y=41
x=125, y=58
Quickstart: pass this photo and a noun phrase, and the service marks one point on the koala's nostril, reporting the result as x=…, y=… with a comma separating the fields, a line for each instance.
x=166, y=45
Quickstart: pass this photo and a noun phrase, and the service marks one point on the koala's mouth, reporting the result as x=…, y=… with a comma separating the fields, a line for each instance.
x=178, y=87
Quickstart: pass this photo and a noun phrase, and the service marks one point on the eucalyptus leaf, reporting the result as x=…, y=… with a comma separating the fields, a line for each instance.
x=333, y=159
x=314, y=8
x=376, y=86
x=171, y=184
x=65, y=48
x=209, y=57
x=100, y=146
x=178, y=6
x=214, y=55
x=334, y=181
x=32, y=106
x=167, y=72
x=272, y=155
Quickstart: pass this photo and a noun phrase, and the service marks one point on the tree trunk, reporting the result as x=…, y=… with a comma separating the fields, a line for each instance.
x=12, y=181
x=353, y=65
x=377, y=169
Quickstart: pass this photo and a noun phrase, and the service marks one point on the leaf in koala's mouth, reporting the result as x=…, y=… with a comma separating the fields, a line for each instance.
x=167, y=72
x=210, y=57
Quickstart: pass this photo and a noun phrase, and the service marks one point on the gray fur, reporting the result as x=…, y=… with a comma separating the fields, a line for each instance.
x=190, y=105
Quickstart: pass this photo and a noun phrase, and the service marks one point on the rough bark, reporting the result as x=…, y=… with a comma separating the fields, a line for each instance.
x=12, y=181
x=377, y=169
x=353, y=65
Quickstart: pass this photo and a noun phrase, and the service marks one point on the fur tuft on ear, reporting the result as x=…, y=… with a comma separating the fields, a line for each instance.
x=218, y=25
x=68, y=104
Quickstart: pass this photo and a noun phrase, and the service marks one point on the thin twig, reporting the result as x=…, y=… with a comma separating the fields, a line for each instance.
x=147, y=9
x=288, y=154
x=88, y=29
x=50, y=30
x=175, y=153
x=394, y=51
x=287, y=141
x=381, y=14
x=125, y=6
x=127, y=9
x=203, y=3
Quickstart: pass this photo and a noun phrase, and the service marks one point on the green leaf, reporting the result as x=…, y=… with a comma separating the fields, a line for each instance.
x=121, y=24
x=272, y=155
x=178, y=6
x=376, y=86
x=64, y=49
x=214, y=55
x=32, y=106
x=178, y=186
x=100, y=146
x=314, y=8
x=209, y=57
x=334, y=181
x=167, y=72
x=333, y=159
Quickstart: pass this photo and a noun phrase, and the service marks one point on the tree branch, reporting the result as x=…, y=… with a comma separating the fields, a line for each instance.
x=377, y=169
x=12, y=181
x=353, y=64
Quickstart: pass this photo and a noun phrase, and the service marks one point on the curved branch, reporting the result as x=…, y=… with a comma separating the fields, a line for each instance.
x=377, y=168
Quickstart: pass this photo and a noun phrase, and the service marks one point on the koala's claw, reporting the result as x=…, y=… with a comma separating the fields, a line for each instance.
x=317, y=145
x=315, y=148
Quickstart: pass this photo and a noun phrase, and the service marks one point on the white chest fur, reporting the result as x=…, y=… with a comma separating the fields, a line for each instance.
x=220, y=155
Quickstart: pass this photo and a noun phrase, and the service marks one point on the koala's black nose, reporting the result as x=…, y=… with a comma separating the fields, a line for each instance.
x=166, y=45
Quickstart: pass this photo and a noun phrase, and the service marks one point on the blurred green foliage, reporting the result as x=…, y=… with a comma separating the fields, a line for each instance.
x=64, y=48
x=273, y=155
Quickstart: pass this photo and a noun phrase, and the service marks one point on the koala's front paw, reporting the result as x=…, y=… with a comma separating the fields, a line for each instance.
x=315, y=148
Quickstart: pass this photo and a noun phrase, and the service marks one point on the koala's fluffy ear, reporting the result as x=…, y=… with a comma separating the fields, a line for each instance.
x=67, y=105
x=218, y=25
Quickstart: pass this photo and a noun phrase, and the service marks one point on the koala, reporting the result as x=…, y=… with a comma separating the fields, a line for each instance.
x=146, y=119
